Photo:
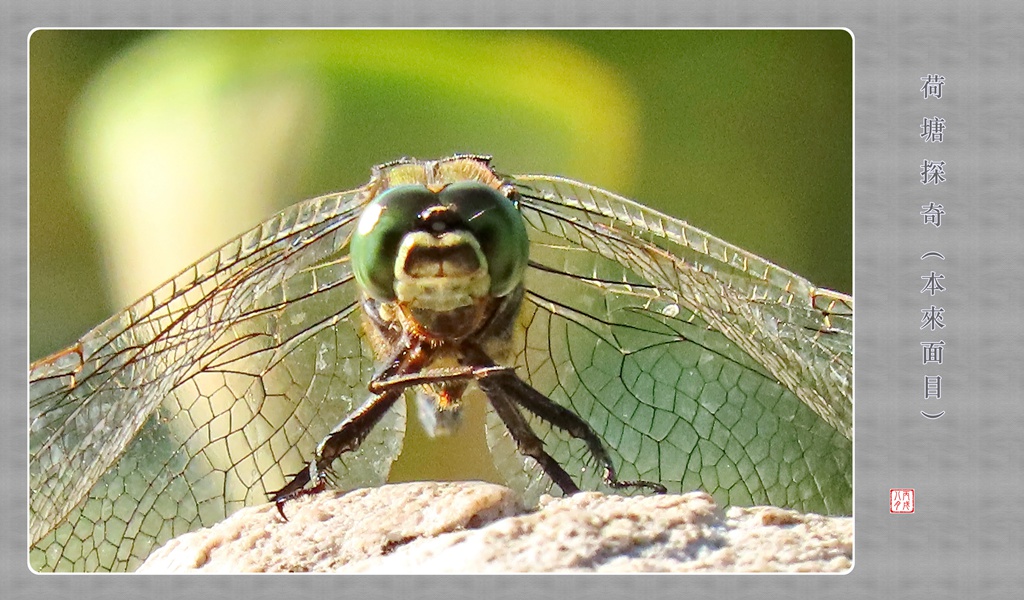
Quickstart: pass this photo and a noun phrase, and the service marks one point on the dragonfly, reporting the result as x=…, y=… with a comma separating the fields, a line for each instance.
x=617, y=349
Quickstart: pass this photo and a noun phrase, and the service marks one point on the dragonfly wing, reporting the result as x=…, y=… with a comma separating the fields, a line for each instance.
x=204, y=396
x=700, y=365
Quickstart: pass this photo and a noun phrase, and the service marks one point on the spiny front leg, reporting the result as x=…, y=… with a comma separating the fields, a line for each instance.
x=571, y=423
x=526, y=440
x=350, y=433
x=506, y=387
x=404, y=371
x=346, y=437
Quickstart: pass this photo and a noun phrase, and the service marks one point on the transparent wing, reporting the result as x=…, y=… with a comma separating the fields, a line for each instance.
x=700, y=365
x=204, y=396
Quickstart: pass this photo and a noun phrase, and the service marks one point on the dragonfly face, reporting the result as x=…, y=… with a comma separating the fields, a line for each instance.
x=608, y=340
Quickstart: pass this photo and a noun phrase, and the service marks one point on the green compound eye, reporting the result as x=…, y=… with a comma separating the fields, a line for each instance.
x=498, y=227
x=481, y=210
x=374, y=247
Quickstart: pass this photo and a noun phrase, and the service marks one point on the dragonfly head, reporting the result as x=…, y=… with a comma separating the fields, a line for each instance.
x=440, y=252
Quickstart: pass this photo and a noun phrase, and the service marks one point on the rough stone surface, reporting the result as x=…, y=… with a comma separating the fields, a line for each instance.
x=480, y=528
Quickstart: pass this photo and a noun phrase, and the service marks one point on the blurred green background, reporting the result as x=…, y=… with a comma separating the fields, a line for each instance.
x=150, y=148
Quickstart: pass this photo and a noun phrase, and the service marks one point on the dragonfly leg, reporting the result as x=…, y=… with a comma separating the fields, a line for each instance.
x=433, y=376
x=526, y=440
x=346, y=437
x=559, y=416
x=567, y=420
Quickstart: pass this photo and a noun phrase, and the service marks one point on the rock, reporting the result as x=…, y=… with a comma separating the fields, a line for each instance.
x=431, y=527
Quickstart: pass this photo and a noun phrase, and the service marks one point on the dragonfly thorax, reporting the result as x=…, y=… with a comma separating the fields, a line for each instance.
x=439, y=405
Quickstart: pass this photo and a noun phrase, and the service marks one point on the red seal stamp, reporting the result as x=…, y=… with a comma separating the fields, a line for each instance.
x=901, y=501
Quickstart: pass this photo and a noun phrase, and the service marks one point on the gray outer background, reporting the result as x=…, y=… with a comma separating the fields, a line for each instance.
x=965, y=539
